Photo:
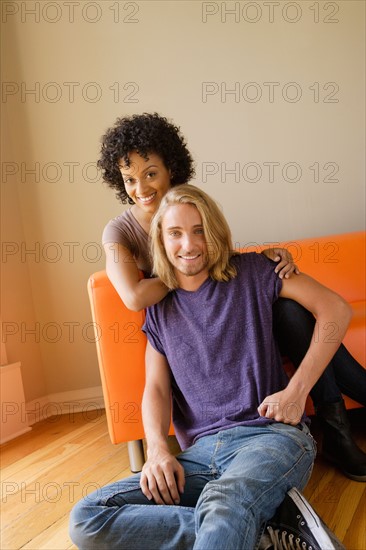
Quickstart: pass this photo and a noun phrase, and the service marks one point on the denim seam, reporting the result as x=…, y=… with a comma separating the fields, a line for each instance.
x=201, y=472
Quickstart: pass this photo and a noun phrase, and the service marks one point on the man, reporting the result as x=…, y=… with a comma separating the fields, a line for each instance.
x=238, y=419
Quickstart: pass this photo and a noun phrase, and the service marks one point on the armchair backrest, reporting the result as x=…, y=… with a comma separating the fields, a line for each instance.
x=121, y=355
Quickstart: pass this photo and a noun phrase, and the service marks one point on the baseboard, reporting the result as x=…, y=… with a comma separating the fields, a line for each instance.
x=13, y=422
x=86, y=401
x=14, y=435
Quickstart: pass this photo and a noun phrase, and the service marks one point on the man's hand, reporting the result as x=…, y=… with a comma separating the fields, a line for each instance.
x=286, y=265
x=162, y=478
x=285, y=406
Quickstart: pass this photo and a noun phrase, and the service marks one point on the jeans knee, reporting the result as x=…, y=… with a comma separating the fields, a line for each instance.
x=75, y=523
x=306, y=476
x=222, y=493
x=80, y=527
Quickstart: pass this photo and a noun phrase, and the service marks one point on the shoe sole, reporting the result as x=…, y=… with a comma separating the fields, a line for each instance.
x=354, y=477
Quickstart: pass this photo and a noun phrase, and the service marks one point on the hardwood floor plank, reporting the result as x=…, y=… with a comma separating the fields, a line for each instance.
x=40, y=503
x=59, y=482
x=55, y=537
x=38, y=457
x=355, y=537
x=51, y=428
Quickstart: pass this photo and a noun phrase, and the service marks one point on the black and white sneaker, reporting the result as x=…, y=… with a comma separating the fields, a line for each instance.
x=296, y=525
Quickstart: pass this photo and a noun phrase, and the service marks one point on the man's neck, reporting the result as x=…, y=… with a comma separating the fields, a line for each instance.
x=191, y=283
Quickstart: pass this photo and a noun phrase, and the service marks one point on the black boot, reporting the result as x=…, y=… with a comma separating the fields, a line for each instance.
x=338, y=445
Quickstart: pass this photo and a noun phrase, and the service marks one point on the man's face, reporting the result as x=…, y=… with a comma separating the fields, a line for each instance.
x=185, y=243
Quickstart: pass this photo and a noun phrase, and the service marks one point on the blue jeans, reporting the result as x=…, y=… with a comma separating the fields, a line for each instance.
x=293, y=328
x=235, y=480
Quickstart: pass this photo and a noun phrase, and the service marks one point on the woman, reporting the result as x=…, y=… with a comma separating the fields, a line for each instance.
x=141, y=158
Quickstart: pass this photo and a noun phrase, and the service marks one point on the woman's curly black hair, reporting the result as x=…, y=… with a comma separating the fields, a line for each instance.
x=146, y=133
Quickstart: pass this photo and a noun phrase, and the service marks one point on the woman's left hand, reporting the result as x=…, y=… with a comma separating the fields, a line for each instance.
x=286, y=266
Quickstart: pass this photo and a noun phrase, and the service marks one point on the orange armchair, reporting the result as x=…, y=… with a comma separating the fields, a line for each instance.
x=121, y=354
x=338, y=261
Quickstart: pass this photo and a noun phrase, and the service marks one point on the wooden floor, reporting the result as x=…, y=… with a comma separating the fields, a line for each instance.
x=47, y=470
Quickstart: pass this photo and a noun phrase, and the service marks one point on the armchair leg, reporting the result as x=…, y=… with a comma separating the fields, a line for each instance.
x=136, y=455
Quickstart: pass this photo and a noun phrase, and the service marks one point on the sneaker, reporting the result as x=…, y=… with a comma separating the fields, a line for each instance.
x=296, y=525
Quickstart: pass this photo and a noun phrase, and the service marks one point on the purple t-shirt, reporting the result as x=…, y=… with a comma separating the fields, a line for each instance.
x=219, y=344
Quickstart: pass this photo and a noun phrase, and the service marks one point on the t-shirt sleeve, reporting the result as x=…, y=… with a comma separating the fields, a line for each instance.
x=114, y=232
x=264, y=270
x=274, y=282
x=151, y=329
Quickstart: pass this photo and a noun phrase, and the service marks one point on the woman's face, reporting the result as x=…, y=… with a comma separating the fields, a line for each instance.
x=146, y=181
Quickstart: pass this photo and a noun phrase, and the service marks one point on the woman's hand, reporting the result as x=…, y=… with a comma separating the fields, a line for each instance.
x=286, y=266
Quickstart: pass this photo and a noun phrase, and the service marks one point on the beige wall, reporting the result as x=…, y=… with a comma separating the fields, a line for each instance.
x=302, y=61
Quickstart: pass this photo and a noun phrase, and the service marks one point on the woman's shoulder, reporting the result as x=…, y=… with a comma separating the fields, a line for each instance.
x=119, y=228
x=123, y=219
x=126, y=231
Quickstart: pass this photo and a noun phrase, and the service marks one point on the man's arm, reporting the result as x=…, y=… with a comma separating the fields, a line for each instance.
x=332, y=314
x=162, y=476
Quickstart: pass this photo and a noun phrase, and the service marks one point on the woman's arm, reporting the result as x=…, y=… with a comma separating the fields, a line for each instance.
x=122, y=271
x=162, y=476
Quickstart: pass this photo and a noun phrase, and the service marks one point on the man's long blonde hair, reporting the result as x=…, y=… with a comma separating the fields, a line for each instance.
x=216, y=231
